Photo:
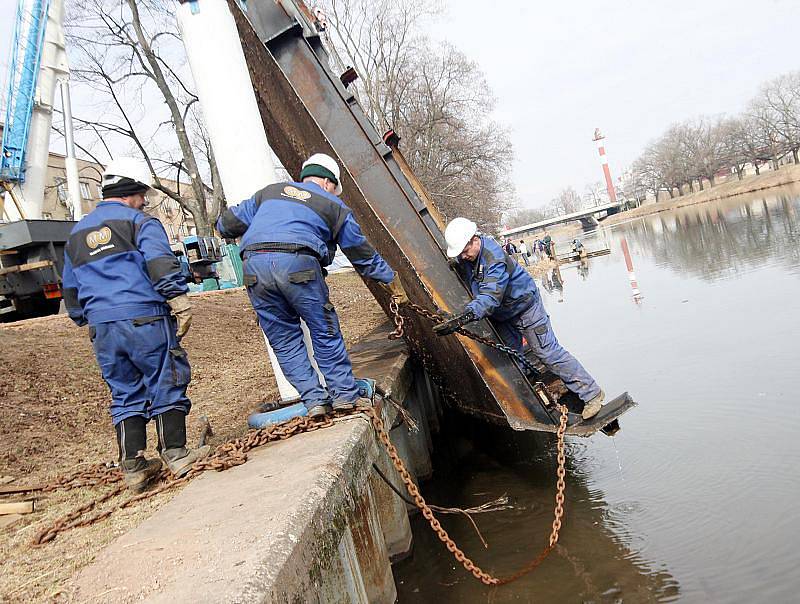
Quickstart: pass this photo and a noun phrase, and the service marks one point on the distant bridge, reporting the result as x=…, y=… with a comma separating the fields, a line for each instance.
x=587, y=217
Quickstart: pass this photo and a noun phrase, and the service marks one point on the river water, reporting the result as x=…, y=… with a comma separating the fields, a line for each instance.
x=696, y=499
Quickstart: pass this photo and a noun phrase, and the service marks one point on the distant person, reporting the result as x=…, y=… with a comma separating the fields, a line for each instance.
x=510, y=248
x=523, y=252
x=577, y=246
x=122, y=279
x=547, y=242
x=538, y=247
x=506, y=294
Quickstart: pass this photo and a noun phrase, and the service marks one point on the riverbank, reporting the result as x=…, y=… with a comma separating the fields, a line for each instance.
x=306, y=519
x=54, y=419
x=786, y=176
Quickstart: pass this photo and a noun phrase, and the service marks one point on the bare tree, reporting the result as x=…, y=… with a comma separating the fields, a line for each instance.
x=704, y=148
x=764, y=119
x=595, y=193
x=779, y=102
x=633, y=187
x=128, y=54
x=379, y=39
x=568, y=201
x=526, y=216
x=433, y=97
x=648, y=171
x=740, y=137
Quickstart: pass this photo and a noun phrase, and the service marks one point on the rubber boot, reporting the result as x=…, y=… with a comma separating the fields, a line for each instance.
x=592, y=407
x=137, y=472
x=319, y=410
x=171, y=428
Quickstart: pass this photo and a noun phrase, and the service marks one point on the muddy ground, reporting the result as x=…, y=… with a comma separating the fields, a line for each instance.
x=54, y=420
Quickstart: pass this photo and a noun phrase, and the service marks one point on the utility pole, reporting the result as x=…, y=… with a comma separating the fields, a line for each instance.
x=598, y=138
x=231, y=115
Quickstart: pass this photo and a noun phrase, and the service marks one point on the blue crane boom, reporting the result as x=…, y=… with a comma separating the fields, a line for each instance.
x=26, y=55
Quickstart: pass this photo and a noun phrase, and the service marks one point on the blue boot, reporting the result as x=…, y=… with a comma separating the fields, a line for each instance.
x=366, y=392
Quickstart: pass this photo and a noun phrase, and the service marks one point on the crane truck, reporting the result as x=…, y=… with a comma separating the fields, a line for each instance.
x=32, y=249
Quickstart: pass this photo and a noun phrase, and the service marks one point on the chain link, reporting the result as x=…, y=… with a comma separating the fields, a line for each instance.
x=399, y=330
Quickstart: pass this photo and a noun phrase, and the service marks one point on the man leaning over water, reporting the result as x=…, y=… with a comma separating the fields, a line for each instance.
x=505, y=293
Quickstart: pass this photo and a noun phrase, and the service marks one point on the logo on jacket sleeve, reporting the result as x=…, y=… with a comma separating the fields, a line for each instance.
x=295, y=193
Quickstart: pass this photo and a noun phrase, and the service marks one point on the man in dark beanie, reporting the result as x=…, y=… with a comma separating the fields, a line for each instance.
x=122, y=279
x=289, y=232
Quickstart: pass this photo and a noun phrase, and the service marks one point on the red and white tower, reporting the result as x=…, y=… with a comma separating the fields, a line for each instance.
x=598, y=138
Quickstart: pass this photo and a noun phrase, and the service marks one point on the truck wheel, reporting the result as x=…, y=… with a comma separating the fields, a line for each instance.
x=37, y=306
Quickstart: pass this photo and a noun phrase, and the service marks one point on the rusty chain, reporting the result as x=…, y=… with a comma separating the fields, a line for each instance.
x=227, y=455
x=234, y=453
x=558, y=512
x=427, y=513
x=99, y=473
x=398, y=320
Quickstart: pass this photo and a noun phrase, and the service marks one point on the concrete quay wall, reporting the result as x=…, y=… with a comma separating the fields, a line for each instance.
x=304, y=520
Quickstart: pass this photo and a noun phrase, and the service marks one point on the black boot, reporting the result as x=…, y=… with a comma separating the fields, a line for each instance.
x=171, y=428
x=137, y=471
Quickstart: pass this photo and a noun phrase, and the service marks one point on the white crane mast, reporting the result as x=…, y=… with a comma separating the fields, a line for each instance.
x=231, y=115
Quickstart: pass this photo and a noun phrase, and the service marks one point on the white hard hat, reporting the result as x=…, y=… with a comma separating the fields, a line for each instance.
x=458, y=234
x=130, y=168
x=327, y=162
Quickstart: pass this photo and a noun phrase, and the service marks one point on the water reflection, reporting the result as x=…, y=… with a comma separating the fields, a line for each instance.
x=715, y=241
x=596, y=560
x=553, y=283
x=583, y=269
x=707, y=507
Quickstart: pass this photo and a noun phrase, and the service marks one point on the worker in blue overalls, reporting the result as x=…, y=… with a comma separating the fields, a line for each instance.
x=289, y=232
x=504, y=292
x=122, y=279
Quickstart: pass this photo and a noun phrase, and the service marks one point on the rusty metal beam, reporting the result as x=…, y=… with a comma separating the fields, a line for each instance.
x=306, y=109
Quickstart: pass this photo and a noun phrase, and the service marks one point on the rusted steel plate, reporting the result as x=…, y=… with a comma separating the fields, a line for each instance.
x=305, y=109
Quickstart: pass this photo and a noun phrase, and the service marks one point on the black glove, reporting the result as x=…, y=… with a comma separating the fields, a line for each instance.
x=452, y=324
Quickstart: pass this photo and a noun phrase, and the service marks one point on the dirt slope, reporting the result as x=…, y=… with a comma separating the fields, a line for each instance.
x=54, y=417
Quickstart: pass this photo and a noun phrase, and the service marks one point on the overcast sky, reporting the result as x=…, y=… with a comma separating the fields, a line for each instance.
x=559, y=69
x=630, y=67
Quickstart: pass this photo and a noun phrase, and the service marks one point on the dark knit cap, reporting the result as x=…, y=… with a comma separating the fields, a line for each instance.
x=123, y=187
x=317, y=170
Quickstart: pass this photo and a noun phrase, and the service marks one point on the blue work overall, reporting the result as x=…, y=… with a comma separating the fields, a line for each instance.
x=289, y=231
x=505, y=293
x=119, y=271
